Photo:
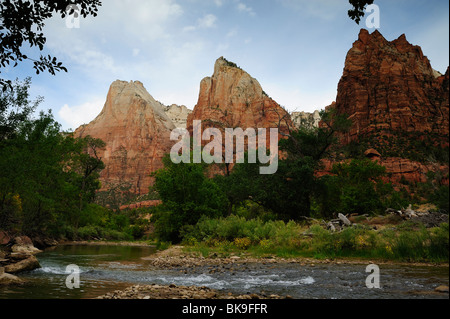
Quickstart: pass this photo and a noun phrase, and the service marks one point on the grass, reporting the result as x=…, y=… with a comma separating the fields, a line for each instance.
x=236, y=235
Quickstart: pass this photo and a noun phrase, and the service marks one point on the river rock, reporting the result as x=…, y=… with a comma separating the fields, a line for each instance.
x=23, y=265
x=8, y=279
x=4, y=237
x=442, y=289
x=23, y=244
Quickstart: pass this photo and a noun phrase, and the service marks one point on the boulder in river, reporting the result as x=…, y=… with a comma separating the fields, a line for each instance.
x=8, y=279
x=27, y=264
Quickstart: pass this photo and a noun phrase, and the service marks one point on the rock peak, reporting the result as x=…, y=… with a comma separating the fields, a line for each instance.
x=136, y=131
x=222, y=63
x=233, y=98
x=366, y=38
x=402, y=92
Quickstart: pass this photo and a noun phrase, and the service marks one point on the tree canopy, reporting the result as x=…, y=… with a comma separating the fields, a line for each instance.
x=46, y=177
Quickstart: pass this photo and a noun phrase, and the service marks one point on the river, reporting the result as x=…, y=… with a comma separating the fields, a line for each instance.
x=108, y=268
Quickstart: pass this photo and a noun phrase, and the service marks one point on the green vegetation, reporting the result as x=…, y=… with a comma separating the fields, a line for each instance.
x=242, y=210
x=49, y=179
x=404, y=242
x=187, y=195
x=416, y=146
x=357, y=187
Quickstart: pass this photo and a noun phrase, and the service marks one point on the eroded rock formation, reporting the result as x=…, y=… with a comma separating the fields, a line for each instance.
x=136, y=131
x=178, y=114
x=232, y=98
x=306, y=119
x=398, y=104
x=390, y=86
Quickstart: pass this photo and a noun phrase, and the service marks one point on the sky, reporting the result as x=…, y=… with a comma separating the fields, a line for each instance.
x=296, y=49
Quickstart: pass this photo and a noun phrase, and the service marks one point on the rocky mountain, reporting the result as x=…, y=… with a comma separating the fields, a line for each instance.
x=390, y=86
x=178, y=114
x=232, y=98
x=136, y=131
x=399, y=107
x=305, y=119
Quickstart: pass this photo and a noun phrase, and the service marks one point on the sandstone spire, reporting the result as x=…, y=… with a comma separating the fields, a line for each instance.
x=389, y=87
x=136, y=131
x=232, y=98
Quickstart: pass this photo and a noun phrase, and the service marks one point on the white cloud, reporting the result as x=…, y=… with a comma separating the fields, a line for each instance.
x=77, y=115
x=206, y=22
x=323, y=9
x=136, y=52
x=246, y=9
x=233, y=32
x=218, y=3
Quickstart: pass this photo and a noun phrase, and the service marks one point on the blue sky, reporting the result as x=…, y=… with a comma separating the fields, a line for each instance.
x=295, y=48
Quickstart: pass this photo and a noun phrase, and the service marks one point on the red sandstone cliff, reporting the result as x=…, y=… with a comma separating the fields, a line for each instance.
x=391, y=86
x=390, y=90
x=136, y=132
x=232, y=98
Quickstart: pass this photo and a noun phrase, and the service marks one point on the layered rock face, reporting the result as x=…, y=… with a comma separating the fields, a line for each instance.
x=178, y=114
x=136, y=131
x=305, y=119
x=231, y=98
x=391, y=86
x=394, y=99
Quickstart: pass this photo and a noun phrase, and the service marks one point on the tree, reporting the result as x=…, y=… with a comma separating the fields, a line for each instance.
x=88, y=165
x=354, y=188
x=358, y=9
x=15, y=108
x=22, y=23
x=187, y=195
x=45, y=175
x=289, y=192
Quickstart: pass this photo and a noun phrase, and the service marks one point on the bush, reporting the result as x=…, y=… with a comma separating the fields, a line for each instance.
x=356, y=187
x=94, y=215
x=88, y=233
x=242, y=243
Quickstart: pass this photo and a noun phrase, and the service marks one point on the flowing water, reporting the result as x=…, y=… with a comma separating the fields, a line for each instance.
x=108, y=268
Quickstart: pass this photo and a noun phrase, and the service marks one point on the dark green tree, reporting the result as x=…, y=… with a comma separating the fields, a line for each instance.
x=356, y=187
x=288, y=193
x=187, y=195
x=15, y=108
x=41, y=181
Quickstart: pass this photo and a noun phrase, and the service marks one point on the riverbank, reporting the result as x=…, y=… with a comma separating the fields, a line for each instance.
x=181, y=292
x=181, y=256
x=262, y=273
x=107, y=243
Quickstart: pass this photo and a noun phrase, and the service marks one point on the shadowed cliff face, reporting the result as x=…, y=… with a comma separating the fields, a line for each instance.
x=391, y=86
x=136, y=131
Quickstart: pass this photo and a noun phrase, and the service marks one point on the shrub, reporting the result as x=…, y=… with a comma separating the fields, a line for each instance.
x=88, y=233
x=242, y=243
